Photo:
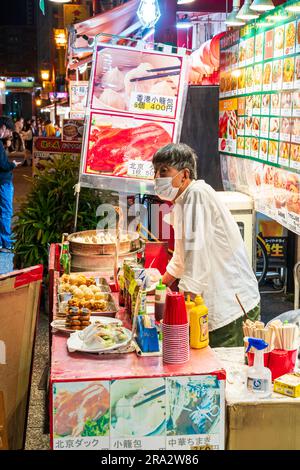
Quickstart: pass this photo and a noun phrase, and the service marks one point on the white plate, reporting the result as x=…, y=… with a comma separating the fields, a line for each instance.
x=74, y=343
x=60, y=324
x=154, y=272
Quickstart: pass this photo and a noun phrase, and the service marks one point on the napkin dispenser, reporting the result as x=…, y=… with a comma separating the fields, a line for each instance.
x=147, y=337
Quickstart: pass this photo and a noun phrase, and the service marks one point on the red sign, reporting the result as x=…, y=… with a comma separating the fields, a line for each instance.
x=44, y=144
x=269, y=44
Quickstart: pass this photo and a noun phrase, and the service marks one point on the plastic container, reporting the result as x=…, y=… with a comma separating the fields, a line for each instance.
x=259, y=380
x=199, y=324
x=160, y=300
x=175, y=343
x=282, y=362
x=175, y=311
x=189, y=305
x=251, y=359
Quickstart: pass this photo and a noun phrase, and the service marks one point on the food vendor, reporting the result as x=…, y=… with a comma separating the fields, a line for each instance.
x=210, y=256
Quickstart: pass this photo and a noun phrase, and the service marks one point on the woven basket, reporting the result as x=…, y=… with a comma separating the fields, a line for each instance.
x=79, y=248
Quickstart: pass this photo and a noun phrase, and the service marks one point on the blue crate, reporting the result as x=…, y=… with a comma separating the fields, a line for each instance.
x=6, y=262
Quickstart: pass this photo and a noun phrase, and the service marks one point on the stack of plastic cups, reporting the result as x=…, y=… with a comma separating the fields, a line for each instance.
x=175, y=329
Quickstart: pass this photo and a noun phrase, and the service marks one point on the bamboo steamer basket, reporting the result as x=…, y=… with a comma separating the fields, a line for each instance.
x=97, y=263
x=90, y=249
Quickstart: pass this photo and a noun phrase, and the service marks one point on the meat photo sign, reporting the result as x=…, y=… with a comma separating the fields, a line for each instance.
x=135, y=106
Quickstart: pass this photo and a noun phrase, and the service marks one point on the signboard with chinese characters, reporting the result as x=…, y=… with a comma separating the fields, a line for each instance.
x=260, y=109
x=75, y=14
x=182, y=413
x=46, y=149
x=116, y=144
x=135, y=106
x=78, y=99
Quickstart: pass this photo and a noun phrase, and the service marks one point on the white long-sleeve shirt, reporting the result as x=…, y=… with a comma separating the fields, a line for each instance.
x=210, y=256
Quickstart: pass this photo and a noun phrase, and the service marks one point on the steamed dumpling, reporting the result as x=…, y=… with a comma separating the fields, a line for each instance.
x=143, y=86
x=114, y=79
x=164, y=87
x=112, y=99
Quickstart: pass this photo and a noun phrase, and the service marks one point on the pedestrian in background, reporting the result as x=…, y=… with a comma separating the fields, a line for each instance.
x=6, y=186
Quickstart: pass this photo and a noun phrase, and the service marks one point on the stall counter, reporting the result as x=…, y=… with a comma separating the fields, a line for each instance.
x=93, y=400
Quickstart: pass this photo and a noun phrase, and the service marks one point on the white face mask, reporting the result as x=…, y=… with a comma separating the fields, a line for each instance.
x=164, y=188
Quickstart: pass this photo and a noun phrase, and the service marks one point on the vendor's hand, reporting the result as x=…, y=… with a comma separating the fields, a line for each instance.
x=167, y=279
x=17, y=163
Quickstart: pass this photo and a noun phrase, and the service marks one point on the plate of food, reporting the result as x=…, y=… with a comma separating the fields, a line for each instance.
x=153, y=276
x=60, y=324
x=99, y=337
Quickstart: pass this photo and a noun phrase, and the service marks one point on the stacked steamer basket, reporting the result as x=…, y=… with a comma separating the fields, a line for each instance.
x=175, y=329
x=88, y=254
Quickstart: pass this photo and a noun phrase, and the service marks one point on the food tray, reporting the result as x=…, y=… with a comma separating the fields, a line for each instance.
x=110, y=312
x=59, y=324
x=79, y=248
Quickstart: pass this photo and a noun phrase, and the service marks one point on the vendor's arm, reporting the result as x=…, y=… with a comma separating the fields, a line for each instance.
x=5, y=164
x=198, y=224
x=168, y=279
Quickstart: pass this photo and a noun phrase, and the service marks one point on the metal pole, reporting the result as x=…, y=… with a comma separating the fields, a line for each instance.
x=77, y=194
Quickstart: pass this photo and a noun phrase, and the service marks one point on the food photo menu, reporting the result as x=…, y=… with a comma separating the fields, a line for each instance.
x=261, y=69
x=260, y=115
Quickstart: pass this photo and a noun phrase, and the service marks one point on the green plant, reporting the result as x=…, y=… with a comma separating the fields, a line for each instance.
x=49, y=211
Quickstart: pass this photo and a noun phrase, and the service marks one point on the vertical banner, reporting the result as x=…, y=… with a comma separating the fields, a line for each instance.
x=78, y=98
x=75, y=14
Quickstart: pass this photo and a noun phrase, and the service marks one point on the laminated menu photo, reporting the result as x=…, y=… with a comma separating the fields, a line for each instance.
x=279, y=41
x=290, y=38
x=288, y=73
x=259, y=41
x=284, y=154
x=295, y=157
x=275, y=104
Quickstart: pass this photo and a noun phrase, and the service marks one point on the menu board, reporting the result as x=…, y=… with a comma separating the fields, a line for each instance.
x=260, y=96
x=135, y=106
x=179, y=413
x=78, y=98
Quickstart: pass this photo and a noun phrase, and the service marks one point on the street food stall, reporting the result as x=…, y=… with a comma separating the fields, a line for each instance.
x=120, y=377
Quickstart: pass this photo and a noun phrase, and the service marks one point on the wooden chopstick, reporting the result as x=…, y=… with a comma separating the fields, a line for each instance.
x=162, y=69
x=153, y=77
x=160, y=394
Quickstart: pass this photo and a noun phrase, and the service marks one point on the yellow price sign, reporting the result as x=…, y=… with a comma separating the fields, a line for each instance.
x=132, y=286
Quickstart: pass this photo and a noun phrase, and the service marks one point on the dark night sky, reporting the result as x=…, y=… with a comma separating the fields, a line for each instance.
x=13, y=12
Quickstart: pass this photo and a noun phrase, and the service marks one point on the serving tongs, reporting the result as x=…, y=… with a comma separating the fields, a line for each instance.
x=119, y=221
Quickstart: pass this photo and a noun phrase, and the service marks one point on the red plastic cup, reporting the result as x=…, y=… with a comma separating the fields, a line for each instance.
x=282, y=362
x=175, y=311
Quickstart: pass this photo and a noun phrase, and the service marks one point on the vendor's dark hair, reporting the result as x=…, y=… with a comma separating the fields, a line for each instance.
x=7, y=122
x=180, y=156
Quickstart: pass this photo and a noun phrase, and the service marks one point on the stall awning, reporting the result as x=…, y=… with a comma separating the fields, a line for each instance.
x=118, y=21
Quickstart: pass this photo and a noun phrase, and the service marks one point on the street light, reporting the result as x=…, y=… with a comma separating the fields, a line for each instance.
x=45, y=75
x=60, y=38
x=262, y=5
x=38, y=102
x=232, y=20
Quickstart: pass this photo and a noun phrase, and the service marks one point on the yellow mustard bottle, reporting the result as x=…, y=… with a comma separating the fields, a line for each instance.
x=199, y=324
x=189, y=305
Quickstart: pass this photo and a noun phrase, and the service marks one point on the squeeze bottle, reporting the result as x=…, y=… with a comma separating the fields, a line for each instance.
x=160, y=300
x=259, y=378
x=199, y=324
x=189, y=305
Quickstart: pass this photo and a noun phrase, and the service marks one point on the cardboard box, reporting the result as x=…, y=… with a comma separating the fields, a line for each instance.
x=288, y=384
x=273, y=425
x=19, y=302
x=252, y=423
